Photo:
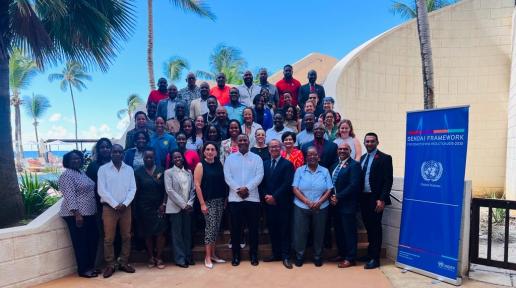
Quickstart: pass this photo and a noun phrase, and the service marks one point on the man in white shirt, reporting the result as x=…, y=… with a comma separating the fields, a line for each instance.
x=243, y=172
x=248, y=90
x=116, y=188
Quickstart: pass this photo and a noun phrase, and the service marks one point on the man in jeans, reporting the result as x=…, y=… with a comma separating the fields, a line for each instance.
x=116, y=188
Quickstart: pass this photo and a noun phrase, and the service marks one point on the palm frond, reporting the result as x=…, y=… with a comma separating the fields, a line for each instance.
x=198, y=7
x=226, y=57
x=174, y=67
x=205, y=75
x=21, y=70
x=404, y=10
x=36, y=106
x=133, y=101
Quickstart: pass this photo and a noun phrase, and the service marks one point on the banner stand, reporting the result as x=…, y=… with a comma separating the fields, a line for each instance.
x=434, y=230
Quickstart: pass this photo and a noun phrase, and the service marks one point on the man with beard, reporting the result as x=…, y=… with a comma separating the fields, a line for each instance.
x=264, y=83
x=288, y=83
x=210, y=117
x=199, y=106
x=222, y=122
x=191, y=91
x=235, y=108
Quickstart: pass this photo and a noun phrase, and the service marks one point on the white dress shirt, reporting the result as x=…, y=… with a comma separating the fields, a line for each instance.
x=116, y=186
x=243, y=171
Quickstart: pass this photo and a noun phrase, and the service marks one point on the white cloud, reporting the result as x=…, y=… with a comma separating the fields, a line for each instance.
x=94, y=132
x=55, y=117
x=58, y=132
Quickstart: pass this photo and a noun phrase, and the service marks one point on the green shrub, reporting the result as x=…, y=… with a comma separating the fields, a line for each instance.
x=35, y=195
x=498, y=213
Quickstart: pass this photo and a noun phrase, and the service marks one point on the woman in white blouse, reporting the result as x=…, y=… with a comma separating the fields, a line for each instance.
x=179, y=203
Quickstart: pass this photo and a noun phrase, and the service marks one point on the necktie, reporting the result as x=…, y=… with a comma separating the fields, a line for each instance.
x=336, y=173
x=312, y=88
x=273, y=164
x=366, y=162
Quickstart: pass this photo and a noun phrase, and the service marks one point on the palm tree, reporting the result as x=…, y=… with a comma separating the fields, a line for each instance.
x=42, y=28
x=73, y=76
x=423, y=29
x=133, y=101
x=408, y=11
x=228, y=60
x=195, y=6
x=35, y=107
x=174, y=67
x=21, y=72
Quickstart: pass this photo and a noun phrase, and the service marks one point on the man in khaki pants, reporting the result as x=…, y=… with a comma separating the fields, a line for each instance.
x=116, y=188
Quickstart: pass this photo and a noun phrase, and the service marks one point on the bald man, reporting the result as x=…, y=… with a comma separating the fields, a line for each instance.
x=191, y=91
x=346, y=176
x=248, y=90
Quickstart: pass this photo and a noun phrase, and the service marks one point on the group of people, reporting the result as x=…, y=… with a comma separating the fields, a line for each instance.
x=258, y=149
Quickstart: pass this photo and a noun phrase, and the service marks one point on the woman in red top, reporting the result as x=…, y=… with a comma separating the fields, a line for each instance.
x=292, y=154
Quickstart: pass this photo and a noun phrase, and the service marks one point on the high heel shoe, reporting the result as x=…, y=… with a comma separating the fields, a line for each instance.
x=208, y=265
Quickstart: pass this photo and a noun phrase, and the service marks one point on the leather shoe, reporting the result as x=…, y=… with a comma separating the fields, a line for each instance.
x=89, y=274
x=127, y=268
x=235, y=261
x=318, y=262
x=108, y=271
x=190, y=262
x=299, y=262
x=271, y=259
x=254, y=260
x=287, y=264
x=346, y=264
x=182, y=265
x=372, y=264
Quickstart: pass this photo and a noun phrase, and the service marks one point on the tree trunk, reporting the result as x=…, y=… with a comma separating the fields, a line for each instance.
x=423, y=29
x=17, y=131
x=150, y=46
x=11, y=204
x=74, y=116
x=37, y=138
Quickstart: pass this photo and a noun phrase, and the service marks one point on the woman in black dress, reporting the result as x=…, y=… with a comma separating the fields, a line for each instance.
x=150, y=207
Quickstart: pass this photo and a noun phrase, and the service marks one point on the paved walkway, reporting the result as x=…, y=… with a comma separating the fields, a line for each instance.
x=266, y=275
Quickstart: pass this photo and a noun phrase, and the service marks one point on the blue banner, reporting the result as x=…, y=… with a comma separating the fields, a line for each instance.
x=433, y=192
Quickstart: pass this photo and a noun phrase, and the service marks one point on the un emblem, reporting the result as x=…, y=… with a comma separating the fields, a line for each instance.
x=431, y=170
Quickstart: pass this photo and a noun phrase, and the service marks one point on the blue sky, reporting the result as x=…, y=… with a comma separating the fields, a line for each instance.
x=269, y=33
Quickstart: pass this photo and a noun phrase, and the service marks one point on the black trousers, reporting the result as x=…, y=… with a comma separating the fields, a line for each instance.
x=249, y=213
x=278, y=223
x=346, y=235
x=84, y=242
x=373, y=225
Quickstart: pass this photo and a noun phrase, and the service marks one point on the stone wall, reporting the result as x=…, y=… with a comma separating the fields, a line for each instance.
x=377, y=83
x=36, y=253
x=392, y=219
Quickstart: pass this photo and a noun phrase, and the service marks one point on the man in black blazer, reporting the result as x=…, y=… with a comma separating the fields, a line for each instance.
x=377, y=173
x=327, y=150
x=276, y=190
x=347, y=180
x=311, y=87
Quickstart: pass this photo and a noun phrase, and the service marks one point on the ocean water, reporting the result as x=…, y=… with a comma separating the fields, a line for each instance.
x=34, y=154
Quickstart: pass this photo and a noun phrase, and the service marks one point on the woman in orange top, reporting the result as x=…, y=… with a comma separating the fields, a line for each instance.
x=292, y=154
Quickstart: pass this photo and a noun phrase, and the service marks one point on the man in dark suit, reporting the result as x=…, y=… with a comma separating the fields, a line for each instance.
x=327, y=150
x=276, y=190
x=377, y=173
x=347, y=180
x=311, y=87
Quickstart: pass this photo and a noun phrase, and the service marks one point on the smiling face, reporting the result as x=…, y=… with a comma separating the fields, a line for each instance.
x=309, y=107
x=263, y=76
x=222, y=114
x=319, y=131
x=312, y=158
x=287, y=98
x=213, y=133
x=221, y=80
x=212, y=104
x=141, y=121
x=199, y=123
x=190, y=79
x=210, y=152
x=234, y=95
x=327, y=106
x=312, y=76
x=288, y=142
x=287, y=72
x=205, y=90
x=75, y=161
x=234, y=129
x=248, y=78
x=344, y=151
x=178, y=160
x=313, y=97
x=116, y=154
x=188, y=127
x=140, y=141
x=274, y=148
x=370, y=142
x=259, y=135
x=309, y=121
x=278, y=121
x=172, y=91
x=181, y=140
x=243, y=143
x=160, y=125
x=248, y=115
x=289, y=114
x=344, y=130
x=104, y=150
x=148, y=159
x=329, y=119
x=260, y=103
x=162, y=84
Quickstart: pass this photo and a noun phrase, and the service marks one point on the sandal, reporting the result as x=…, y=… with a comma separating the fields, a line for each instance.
x=159, y=264
x=151, y=263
